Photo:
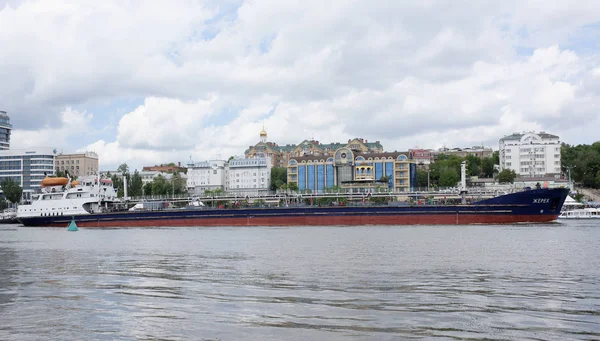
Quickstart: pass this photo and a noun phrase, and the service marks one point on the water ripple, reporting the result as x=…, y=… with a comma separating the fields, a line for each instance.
x=448, y=283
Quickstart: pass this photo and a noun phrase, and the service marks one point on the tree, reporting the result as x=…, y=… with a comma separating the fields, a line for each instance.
x=421, y=178
x=449, y=177
x=583, y=161
x=123, y=168
x=496, y=157
x=12, y=191
x=507, y=176
x=135, y=185
x=278, y=177
x=473, y=165
x=118, y=185
x=487, y=167
x=148, y=189
x=160, y=186
x=292, y=186
x=179, y=185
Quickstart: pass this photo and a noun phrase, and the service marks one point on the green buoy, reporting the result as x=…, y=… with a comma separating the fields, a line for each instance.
x=72, y=226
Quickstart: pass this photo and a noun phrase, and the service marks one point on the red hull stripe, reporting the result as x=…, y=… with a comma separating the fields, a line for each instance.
x=315, y=220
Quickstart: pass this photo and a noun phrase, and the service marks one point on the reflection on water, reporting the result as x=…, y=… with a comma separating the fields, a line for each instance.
x=385, y=283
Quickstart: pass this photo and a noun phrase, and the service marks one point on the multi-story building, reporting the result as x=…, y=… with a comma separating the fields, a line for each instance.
x=479, y=151
x=280, y=155
x=149, y=176
x=531, y=154
x=248, y=176
x=78, y=164
x=353, y=170
x=238, y=176
x=5, y=129
x=206, y=175
x=423, y=157
x=168, y=168
x=27, y=167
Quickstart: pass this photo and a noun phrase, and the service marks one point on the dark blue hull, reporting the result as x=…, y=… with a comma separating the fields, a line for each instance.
x=540, y=205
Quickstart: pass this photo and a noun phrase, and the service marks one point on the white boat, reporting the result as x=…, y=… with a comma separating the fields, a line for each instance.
x=580, y=213
x=62, y=197
x=575, y=210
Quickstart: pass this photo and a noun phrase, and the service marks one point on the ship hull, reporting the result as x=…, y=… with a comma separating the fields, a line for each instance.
x=535, y=206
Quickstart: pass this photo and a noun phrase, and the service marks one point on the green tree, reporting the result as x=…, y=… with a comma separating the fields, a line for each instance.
x=584, y=163
x=473, y=165
x=507, y=176
x=421, y=178
x=496, y=157
x=118, y=185
x=278, y=177
x=135, y=185
x=148, y=189
x=12, y=191
x=160, y=186
x=292, y=186
x=179, y=185
x=123, y=168
x=487, y=167
x=449, y=177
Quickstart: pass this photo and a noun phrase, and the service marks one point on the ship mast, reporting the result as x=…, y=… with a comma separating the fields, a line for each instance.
x=463, y=181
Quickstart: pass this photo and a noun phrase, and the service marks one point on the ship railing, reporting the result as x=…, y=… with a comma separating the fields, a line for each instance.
x=287, y=195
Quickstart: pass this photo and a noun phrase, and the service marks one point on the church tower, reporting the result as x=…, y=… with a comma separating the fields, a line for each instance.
x=263, y=135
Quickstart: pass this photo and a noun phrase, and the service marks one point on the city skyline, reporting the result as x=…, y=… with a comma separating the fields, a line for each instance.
x=200, y=79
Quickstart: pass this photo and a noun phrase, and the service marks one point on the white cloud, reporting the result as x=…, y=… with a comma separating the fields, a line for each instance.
x=457, y=73
x=71, y=121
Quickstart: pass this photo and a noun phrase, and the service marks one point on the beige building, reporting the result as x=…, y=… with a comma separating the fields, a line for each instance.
x=353, y=170
x=280, y=155
x=78, y=164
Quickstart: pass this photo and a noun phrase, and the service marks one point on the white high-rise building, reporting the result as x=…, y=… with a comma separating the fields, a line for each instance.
x=27, y=167
x=531, y=154
x=248, y=176
x=238, y=176
x=5, y=129
x=206, y=175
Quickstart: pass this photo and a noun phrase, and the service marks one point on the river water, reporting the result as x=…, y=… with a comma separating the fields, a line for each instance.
x=511, y=282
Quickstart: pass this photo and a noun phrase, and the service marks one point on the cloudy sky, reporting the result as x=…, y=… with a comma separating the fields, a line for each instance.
x=145, y=82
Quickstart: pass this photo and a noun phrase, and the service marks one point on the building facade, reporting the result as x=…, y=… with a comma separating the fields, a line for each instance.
x=423, y=157
x=5, y=130
x=78, y=164
x=353, y=171
x=531, y=154
x=248, y=176
x=168, y=168
x=27, y=167
x=206, y=176
x=478, y=151
x=280, y=155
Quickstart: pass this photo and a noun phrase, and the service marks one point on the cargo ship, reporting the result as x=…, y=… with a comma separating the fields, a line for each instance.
x=94, y=204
